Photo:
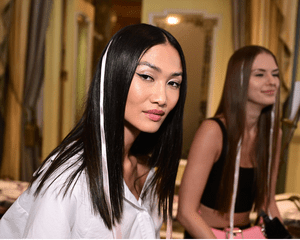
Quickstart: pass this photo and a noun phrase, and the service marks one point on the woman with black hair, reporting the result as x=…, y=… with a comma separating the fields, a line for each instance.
x=113, y=175
x=233, y=161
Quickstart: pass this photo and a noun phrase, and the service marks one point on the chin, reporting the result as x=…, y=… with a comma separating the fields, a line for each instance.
x=271, y=102
x=150, y=128
x=268, y=104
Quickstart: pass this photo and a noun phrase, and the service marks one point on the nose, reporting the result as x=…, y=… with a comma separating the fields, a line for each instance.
x=159, y=95
x=272, y=80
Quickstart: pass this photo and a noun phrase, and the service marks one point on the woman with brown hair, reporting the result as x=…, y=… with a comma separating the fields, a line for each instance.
x=233, y=161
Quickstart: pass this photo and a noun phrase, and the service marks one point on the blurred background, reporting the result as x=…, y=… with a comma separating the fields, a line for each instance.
x=49, y=50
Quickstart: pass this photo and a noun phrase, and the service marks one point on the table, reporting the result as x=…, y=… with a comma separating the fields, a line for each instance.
x=9, y=192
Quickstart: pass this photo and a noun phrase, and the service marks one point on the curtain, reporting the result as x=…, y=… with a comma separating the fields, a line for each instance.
x=30, y=134
x=5, y=22
x=26, y=63
x=10, y=166
x=239, y=23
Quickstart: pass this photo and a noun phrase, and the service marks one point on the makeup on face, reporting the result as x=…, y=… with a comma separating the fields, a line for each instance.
x=264, y=80
x=155, y=88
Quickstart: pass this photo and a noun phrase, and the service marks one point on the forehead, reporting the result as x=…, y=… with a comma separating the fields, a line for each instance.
x=264, y=61
x=162, y=54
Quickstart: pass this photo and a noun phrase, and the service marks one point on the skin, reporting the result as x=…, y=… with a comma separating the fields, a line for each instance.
x=153, y=93
x=206, y=149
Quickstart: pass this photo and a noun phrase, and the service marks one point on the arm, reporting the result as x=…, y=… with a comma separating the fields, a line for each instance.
x=273, y=206
x=50, y=216
x=43, y=216
x=204, y=151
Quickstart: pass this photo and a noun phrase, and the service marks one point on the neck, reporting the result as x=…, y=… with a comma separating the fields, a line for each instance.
x=134, y=173
x=130, y=134
x=253, y=112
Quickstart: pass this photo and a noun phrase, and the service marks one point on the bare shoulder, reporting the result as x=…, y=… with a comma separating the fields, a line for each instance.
x=210, y=129
x=208, y=141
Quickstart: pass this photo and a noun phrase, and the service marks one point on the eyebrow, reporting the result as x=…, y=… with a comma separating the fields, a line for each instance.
x=264, y=70
x=150, y=65
x=175, y=74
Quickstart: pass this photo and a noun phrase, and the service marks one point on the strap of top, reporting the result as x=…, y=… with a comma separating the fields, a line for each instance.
x=210, y=193
x=225, y=138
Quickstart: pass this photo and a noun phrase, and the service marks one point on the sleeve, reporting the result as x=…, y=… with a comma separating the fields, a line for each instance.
x=51, y=216
x=13, y=222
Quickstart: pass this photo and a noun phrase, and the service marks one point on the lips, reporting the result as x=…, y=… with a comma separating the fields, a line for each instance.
x=155, y=114
x=269, y=92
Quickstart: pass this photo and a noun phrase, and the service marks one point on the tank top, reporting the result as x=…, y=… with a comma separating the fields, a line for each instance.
x=245, y=194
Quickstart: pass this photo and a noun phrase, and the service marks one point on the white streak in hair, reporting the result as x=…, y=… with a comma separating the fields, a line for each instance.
x=235, y=186
x=271, y=152
x=242, y=73
x=237, y=168
x=116, y=230
x=169, y=229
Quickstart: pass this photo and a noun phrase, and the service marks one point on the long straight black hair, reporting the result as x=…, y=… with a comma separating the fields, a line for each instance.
x=233, y=108
x=163, y=147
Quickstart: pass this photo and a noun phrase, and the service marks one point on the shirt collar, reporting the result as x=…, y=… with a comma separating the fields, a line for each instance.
x=131, y=198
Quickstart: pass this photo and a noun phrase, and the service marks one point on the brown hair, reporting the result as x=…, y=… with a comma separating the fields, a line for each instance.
x=233, y=108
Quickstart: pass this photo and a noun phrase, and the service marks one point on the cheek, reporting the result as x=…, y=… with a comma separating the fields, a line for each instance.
x=173, y=97
x=250, y=89
x=135, y=94
x=254, y=87
x=278, y=84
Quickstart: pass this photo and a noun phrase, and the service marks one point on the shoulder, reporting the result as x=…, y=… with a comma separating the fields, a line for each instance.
x=61, y=196
x=59, y=179
x=208, y=142
x=210, y=129
x=61, y=211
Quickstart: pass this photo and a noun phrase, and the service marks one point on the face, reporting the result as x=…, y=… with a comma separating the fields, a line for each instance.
x=264, y=80
x=155, y=89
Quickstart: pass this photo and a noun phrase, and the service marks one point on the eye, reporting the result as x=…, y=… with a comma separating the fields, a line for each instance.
x=276, y=75
x=259, y=75
x=145, y=76
x=174, y=84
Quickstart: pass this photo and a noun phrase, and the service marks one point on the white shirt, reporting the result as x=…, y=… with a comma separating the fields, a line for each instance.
x=48, y=215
